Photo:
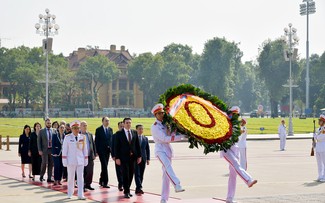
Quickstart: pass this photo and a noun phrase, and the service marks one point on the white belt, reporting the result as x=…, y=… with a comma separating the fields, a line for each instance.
x=320, y=140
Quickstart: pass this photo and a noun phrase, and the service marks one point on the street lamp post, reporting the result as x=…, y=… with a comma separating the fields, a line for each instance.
x=306, y=9
x=290, y=55
x=49, y=28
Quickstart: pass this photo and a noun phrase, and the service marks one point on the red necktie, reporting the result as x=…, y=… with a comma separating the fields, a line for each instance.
x=129, y=136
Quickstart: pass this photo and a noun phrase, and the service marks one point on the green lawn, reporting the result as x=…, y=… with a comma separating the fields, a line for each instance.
x=14, y=126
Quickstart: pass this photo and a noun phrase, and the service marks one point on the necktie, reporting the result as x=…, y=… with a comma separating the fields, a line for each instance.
x=50, y=138
x=106, y=132
x=76, y=138
x=129, y=136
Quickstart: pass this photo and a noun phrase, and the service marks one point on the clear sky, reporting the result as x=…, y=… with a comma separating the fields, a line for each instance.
x=149, y=25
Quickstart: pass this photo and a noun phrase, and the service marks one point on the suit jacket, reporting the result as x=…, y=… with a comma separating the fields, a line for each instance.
x=92, y=147
x=123, y=149
x=145, y=149
x=113, y=150
x=42, y=141
x=57, y=143
x=102, y=142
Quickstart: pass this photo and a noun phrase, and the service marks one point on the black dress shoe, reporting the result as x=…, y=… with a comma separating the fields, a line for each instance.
x=130, y=195
x=127, y=196
x=89, y=188
x=41, y=179
x=50, y=181
x=139, y=192
x=120, y=189
x=106, y=186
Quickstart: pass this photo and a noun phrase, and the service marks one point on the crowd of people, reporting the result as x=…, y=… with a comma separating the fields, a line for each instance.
x=69, y=150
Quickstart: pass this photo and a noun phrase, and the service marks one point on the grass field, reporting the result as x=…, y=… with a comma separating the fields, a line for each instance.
x=14, y=126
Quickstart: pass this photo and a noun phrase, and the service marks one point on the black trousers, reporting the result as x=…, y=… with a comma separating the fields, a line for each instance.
x=103, y=179
x=138, y=175
x=119, y=175
x=128, y=172
x=89, y=172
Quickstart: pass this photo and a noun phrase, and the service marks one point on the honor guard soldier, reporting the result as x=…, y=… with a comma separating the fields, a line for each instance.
x=231, y=156
x=282, y=131
x=164, y=152
x=242, y=144
x=319, y=138
x=75, y=158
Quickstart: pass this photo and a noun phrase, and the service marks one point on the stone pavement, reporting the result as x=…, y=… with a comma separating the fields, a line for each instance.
x=283, y=176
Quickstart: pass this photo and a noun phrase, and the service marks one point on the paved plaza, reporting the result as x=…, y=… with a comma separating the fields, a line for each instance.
x=283, y=176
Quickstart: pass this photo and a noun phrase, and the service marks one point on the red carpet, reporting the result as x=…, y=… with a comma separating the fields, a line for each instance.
x=11, y=169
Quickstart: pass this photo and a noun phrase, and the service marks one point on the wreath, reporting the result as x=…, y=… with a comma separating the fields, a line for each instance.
x=204, y=118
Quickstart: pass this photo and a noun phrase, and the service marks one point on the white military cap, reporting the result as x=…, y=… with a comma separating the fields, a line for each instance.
x=75, y=123
x=322, y=117
x=157, y=108
x=244, y=120
x=235, y=109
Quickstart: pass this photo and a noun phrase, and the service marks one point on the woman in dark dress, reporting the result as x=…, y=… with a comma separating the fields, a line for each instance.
x=33, y=150
x=57, y=141
x=23, y=150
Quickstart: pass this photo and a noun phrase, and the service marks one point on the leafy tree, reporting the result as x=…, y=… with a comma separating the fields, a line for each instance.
x=218, y=63
x=100, y=70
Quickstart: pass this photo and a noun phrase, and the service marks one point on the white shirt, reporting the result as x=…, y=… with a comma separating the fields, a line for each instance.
x=282, y=130
x=162, y=139
x=319, y=137
x=242, y=138
x=75, y=152
x=126, y=134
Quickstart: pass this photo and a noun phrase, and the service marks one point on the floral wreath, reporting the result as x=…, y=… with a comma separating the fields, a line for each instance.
x=204, y=118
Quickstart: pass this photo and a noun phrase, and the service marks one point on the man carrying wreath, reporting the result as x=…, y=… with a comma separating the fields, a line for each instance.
x=164, y=152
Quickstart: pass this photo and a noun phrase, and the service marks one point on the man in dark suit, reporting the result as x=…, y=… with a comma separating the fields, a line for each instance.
x=128, y=153
x=44, y=145
x=118, y=168
x=145, y=155
x=103, y=137
x=89, y=169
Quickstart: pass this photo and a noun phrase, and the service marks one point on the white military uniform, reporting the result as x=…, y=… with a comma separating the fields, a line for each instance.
x=242, y=147
x=282, y=131
x=164, y=153
x=75, y=158
x=232, y=157
x=319, y=137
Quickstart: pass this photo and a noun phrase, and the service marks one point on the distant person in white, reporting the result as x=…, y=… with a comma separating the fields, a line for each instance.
x=242, y=144
x=319, y=138
x=282, y=131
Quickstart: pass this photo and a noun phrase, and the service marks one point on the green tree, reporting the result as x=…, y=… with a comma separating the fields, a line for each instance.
x=218, y=63
x=100, y=70
x=146, y=70
x=274, y=71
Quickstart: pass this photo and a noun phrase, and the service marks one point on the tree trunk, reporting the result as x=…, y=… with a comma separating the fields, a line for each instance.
x=274, y=108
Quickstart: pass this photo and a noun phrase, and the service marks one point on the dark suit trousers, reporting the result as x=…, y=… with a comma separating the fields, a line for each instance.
x=103, y=157
x=138, y=175
x=47, y=160
x=89, y=172
x=128, y=171
x=119, y=175
x=58, y=168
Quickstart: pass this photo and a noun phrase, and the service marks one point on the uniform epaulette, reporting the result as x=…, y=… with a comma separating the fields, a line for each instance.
x=155, y=123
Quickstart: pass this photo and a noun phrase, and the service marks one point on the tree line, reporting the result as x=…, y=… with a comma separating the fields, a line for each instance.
x=219, y=70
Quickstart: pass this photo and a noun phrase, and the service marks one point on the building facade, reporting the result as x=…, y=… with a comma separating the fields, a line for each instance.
x=122, y=92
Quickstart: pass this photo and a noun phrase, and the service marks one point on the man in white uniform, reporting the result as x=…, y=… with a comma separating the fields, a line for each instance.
x=242, y=144
x=75, y=158
x=282, y=131
x=319, y=138
x=232, y=157
x=164, y=152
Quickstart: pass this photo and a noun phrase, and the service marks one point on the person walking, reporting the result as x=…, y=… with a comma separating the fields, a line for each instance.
x=127, y=148
x=145, y=159
x=118, y=169
x=23, y=151
x=44, y=144
x=103, y=137
x=33, y=150
x=282, y=131
x=319, y=138
x=164, y=152
x=57, y=142
x=75, y=158
x=232, y=157
x=89, y=169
